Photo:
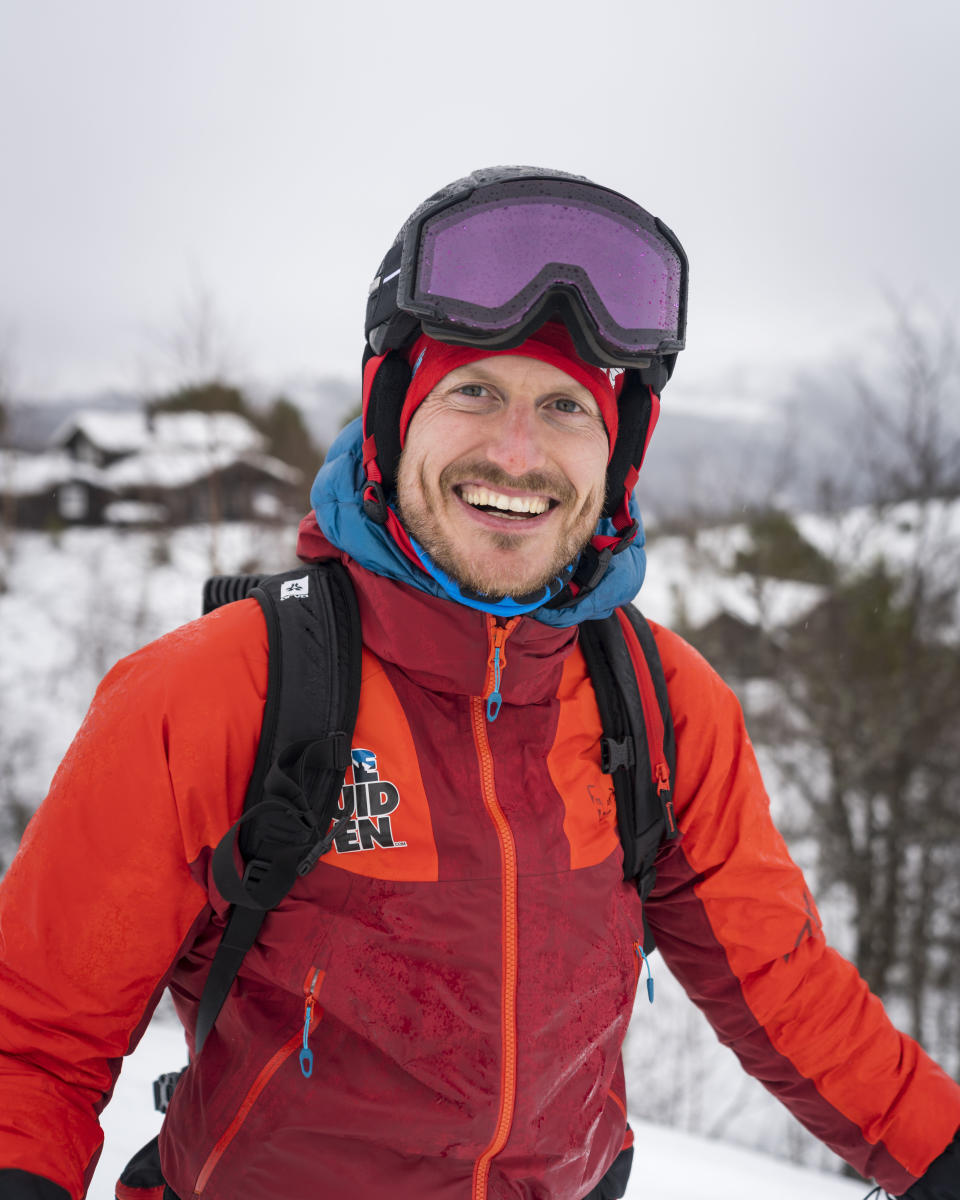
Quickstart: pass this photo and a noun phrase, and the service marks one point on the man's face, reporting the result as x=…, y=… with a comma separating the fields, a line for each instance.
x=502, y=474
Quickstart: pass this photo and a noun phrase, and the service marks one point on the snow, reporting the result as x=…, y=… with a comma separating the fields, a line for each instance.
x=692, y=577
x=202, y=430
x=128, y=432
x=168, y=468
x=116, y=432
x=76, y=603
x=134, y=512
x=668, y=1164
x=31, y=474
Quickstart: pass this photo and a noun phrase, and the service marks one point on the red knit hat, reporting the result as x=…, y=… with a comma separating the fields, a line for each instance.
x=431, y=361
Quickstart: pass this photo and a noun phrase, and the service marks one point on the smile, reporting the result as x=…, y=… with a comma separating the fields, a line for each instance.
x=499, y=504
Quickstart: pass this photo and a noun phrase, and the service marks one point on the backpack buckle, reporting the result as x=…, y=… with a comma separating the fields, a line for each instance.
x=616, y=754
x=163, y=1089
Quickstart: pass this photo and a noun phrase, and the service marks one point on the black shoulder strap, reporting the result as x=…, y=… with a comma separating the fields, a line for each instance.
x=291, y=812
x=638, y=746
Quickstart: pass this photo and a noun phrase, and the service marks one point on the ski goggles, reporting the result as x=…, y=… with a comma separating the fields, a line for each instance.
x=488, y=268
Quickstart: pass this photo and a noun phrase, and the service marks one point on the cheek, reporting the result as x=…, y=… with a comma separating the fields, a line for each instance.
x=588, y=470
x=417, y=478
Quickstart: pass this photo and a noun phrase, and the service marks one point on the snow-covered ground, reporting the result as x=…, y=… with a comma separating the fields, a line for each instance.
x=75, y=604
x=694, y=575
x=668, y=1165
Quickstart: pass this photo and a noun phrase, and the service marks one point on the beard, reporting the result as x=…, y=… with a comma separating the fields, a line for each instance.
x=421, y=509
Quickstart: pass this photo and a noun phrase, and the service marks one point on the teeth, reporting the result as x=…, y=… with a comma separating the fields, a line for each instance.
x=518, y=504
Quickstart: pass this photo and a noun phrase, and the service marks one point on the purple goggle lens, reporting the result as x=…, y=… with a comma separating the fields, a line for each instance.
x=485, y=263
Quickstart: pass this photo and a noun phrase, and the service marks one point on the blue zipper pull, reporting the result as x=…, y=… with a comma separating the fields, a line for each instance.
x=306, y=1054
x=494, y=700
x=310, y=990
x=646, y=963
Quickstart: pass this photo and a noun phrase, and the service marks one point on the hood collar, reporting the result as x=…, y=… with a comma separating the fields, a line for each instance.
x=449, y=653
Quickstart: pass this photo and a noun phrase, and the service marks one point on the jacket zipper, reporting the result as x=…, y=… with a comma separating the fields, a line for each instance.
x=508, y=863
x=311, y=1015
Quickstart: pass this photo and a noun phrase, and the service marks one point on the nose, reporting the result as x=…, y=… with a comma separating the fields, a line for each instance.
x=516, y=440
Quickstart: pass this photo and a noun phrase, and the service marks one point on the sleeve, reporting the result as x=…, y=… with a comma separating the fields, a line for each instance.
x=737, y=926
x=107, y=888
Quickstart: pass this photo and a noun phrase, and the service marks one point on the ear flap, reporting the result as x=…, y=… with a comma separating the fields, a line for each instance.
x=385, y=384
x=635, y=407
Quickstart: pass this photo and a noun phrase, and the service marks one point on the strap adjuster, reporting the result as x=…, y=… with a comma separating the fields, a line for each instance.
x=255, y=872
x=309, y=861
x=375, y=502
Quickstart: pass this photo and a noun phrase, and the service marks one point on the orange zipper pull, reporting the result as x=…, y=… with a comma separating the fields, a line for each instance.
x=496, y=661
x=661, y=773
x=494, y=700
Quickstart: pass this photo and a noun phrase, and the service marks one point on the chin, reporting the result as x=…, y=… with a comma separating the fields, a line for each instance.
x=496, y=583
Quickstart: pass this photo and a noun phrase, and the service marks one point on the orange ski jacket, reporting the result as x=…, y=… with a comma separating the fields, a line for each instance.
x=462, y=964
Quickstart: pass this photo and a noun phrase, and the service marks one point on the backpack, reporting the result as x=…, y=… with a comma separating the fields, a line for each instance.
x=292, y=808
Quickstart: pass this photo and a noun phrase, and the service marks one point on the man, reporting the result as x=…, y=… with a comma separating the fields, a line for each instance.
x=439, y=1013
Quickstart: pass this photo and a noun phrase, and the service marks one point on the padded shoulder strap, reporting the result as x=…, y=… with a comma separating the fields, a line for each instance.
x=637, y=748
x=657, y=716
x=291, y=812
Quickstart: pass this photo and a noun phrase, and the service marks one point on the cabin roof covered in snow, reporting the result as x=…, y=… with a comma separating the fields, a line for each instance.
x=133, y=432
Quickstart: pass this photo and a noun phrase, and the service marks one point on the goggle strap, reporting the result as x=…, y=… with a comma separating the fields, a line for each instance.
x=371, y=364
x=635, y=409
x=651, y=426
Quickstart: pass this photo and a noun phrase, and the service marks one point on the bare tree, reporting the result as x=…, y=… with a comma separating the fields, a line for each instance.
x=862, y=727
x=910, y=433
x=198, y=346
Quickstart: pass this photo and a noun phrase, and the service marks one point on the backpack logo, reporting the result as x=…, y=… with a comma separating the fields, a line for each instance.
x=295, y=589
x=371, y=802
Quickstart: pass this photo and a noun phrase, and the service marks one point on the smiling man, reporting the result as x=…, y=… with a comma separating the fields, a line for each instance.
x=435, y=1009
x=502, y=476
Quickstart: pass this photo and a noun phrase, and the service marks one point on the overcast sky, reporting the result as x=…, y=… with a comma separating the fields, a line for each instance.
x=264, y=152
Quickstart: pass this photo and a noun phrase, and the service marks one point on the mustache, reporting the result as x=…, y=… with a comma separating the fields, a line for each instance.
x=556, y=487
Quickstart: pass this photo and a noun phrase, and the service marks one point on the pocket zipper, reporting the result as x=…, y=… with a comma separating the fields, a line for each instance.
x=312, y=1013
